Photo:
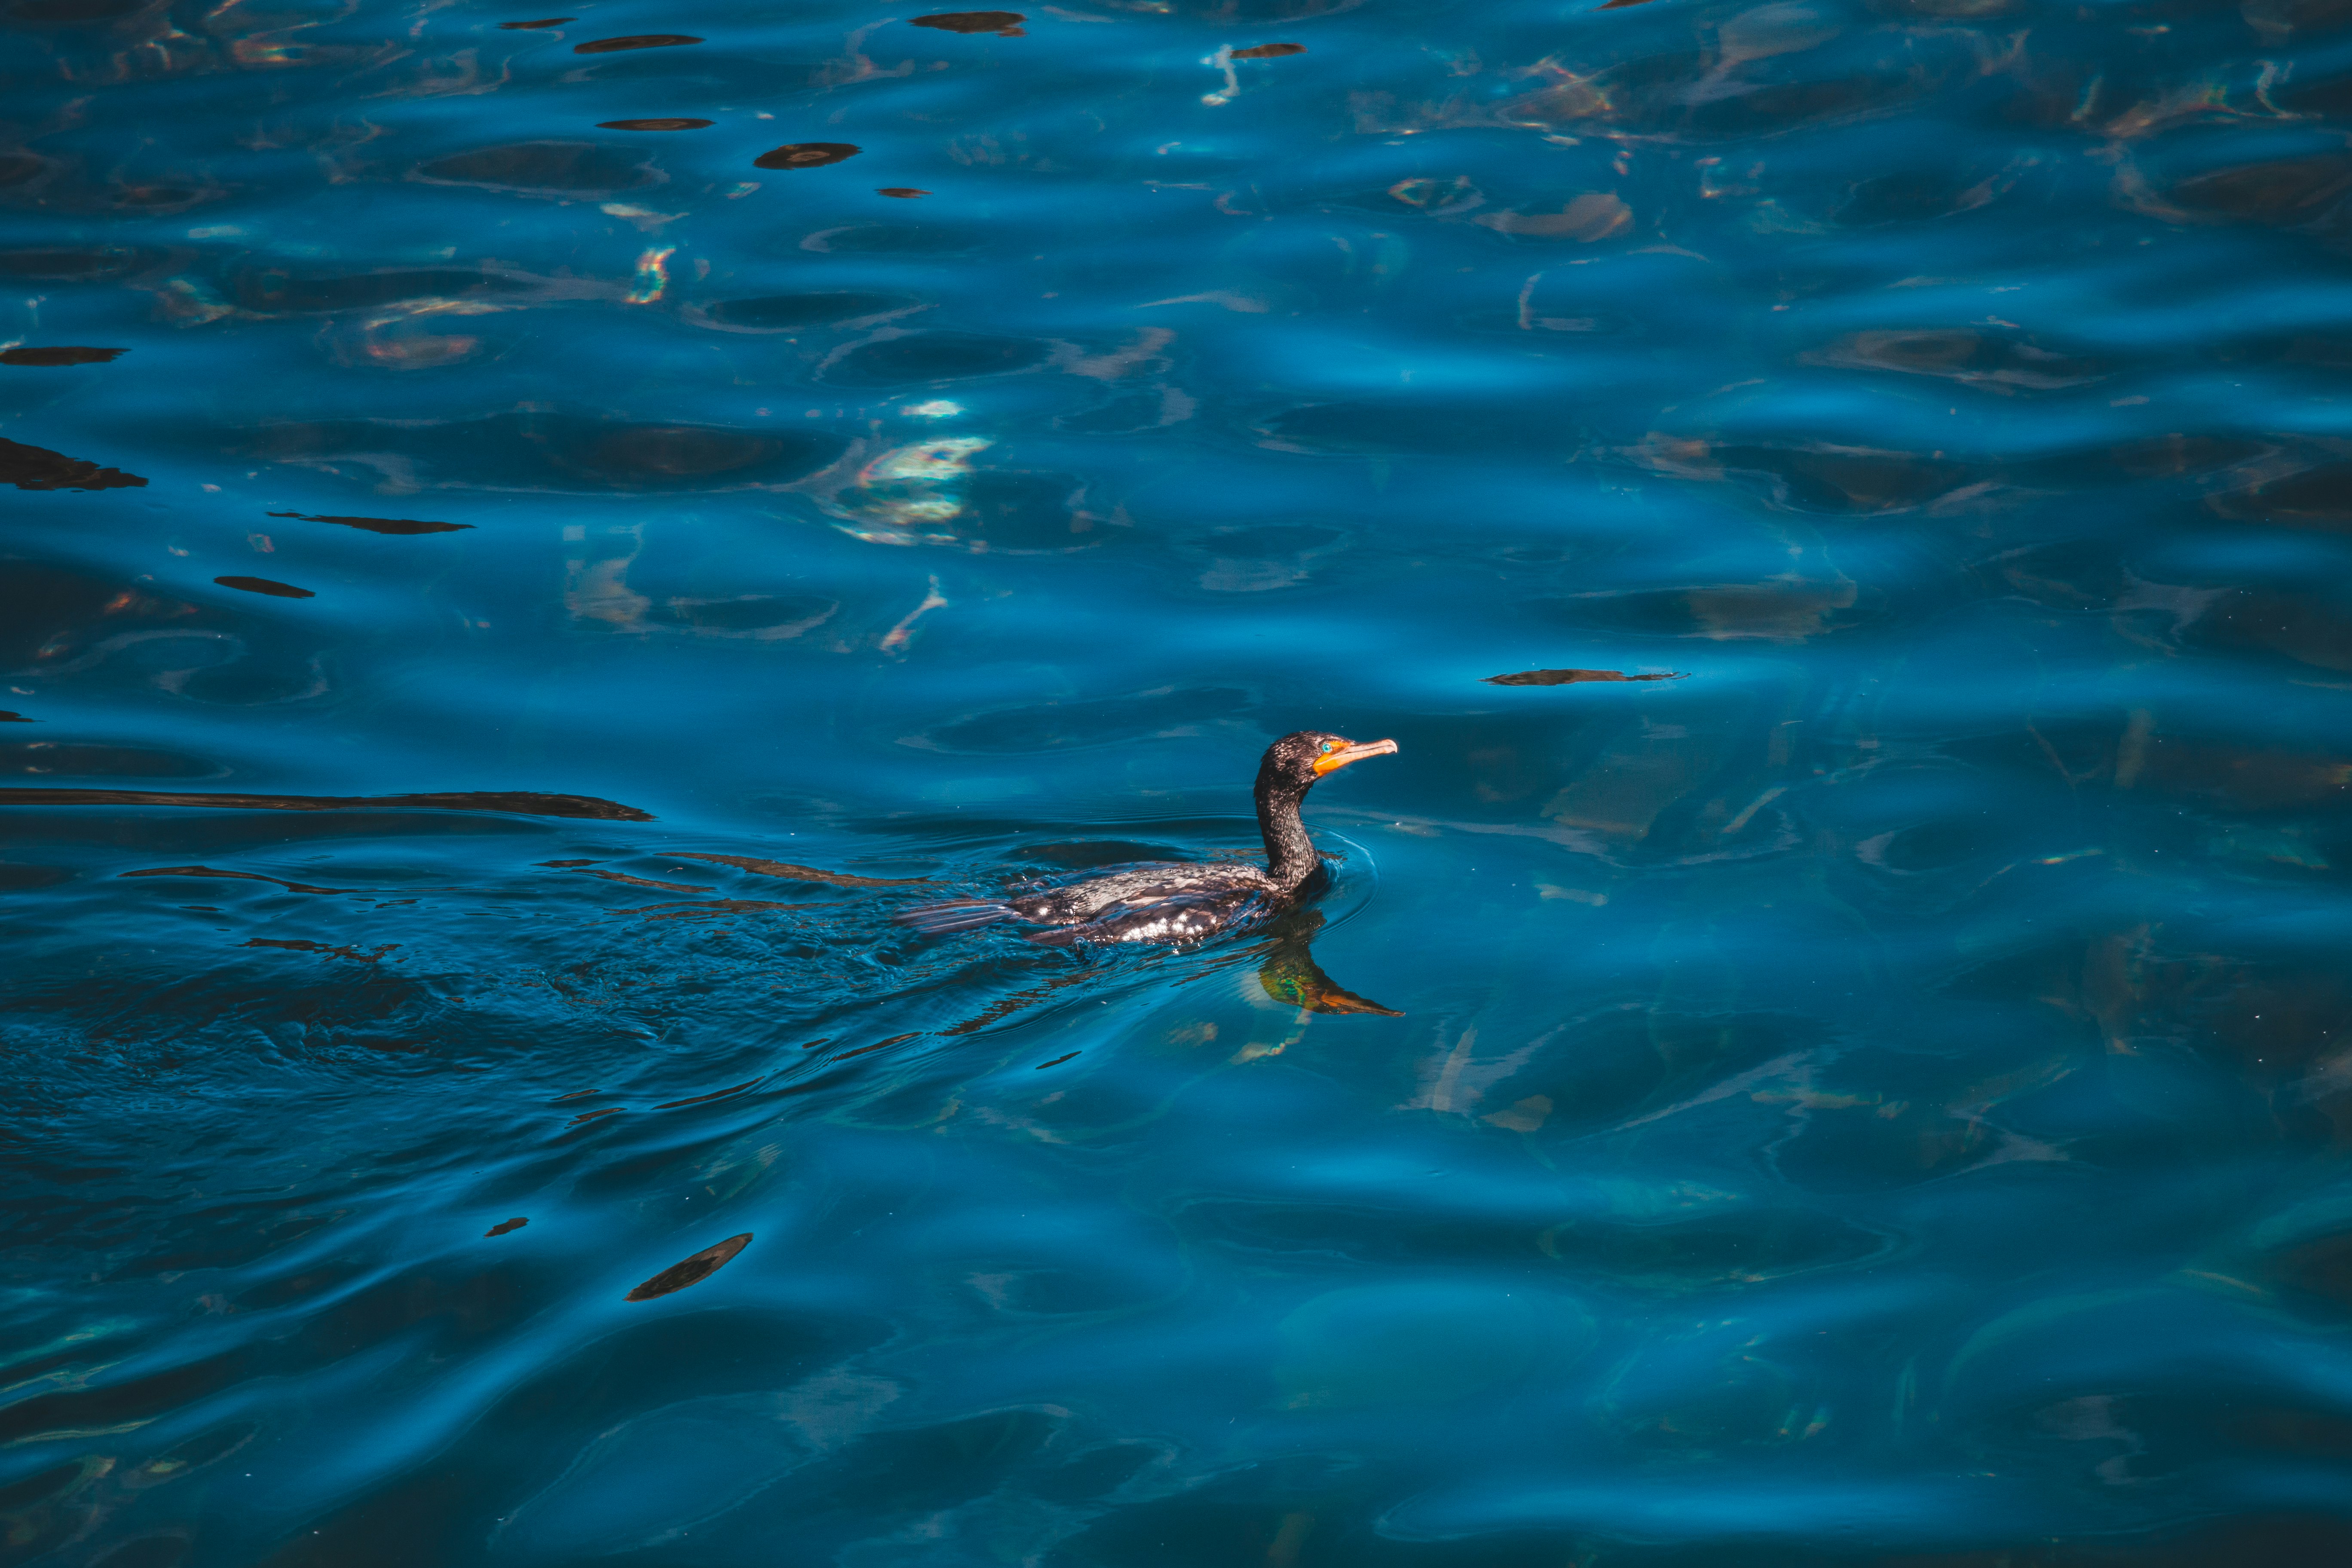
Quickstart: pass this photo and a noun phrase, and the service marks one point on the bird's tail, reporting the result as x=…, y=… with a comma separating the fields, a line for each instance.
x=955, y=914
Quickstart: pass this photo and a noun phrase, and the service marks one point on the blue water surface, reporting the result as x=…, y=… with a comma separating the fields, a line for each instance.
x=499, y=606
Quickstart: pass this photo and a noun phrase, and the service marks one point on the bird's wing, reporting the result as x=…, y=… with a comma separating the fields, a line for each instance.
x=1176, y=912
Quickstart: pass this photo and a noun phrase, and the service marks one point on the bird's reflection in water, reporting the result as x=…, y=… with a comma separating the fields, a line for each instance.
x=1288, y=970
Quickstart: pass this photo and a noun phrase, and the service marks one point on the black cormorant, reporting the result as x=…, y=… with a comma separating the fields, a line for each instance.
x=1177, y=902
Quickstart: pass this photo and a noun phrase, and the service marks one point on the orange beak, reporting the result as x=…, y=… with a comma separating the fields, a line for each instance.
x=1353, y=752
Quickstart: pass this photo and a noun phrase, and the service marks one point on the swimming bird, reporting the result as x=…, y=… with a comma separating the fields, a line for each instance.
x=1180, y=901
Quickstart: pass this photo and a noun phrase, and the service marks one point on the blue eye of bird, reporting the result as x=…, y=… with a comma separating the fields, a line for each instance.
x=1327, y=745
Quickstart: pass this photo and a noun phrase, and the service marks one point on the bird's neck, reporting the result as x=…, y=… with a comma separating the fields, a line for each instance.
x=1289, y=854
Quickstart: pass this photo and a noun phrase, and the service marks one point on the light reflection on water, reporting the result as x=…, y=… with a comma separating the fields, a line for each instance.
x=528, y=538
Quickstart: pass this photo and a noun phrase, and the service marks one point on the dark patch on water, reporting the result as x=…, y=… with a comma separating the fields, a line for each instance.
x=1571, y=676
x=542, y=22
x=805, y=155
x=505, y=1227
x=266, y=585
x=94, y=265
x=1004, y=23
x=238, y=876
x=45, y=357
x=554, y=452
x=635, y=41
x=654, y=124
x=903, y=191
x=571, y=169
x=1269, y=51
x=401, y=526
x=38, y=469
x=692, y=1270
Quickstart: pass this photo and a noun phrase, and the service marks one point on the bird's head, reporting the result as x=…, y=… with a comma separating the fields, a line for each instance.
x=1293, y=763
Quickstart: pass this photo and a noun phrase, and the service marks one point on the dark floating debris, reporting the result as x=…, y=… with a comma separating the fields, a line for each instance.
x=1569, y=677
x=638, y=881
x=634, y=41
x=8, y=717
x=239, y=876
x=899, y=191
x=1057, y=1061
x=38, y=469
x=520, y=803
x=517, y=27
x=692, y=1272
x=1004, y=23
x=654, y=124
x=264, y=586
x=565, y=170
x=379, y=524
x=49, y=357
x=805, y=155
x=706, y=1098
x=878, y=1046
x=505, y=1225
x=791, y=873
x=567, y=864
x=373, y=955
x=1276, y=51
x=1616, y=4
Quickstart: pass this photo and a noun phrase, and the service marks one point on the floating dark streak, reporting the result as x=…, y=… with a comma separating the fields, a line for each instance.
x=691, y=1271
x=564, y=170
x=1571, y=676
x=791, y=873
x=706, y=1098
x=654, y=124
x=50, y=357
x=899, y=191
x=379, y=524
x=805, y=155
x=266, y=585
x=1004, y=23
x=635, y=41
x=1619, y=5
x=240, y=876
x=38, y=469
x=638, y=881
x=517, y=27
x=517, y=803
x=1276, y=51
x=8, y=717
x=373, y=955
x=878, y=1044
x=517, y=1222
